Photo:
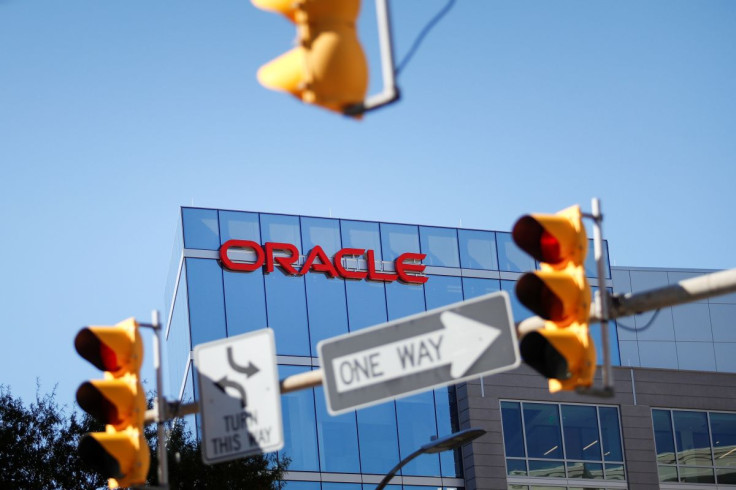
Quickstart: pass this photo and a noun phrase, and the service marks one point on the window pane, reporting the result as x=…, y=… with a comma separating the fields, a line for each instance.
x=542, y=424
x=442, y=291
x=667, y=473
x=615, y=472
x=404, y=299
x=337, y=437
x=301, y=485
x=398, y=239
x=281, y=229
x=592, y=471
x=327, y=307
x=416, y=420
x=445, y=406
x=287, y=313
x=512, y=429
x=340, y=486
x=546, y=469
x=516, y=467
x=723, y=426
x=692, y=474
x=245, y=301
x=379, y=447
x=300, y=437
x=323, y=232
x=361, y=234
x=366, y=304
x=663, y=439
x=206, y=307
x=200, y=228
x=520, y=311
x=440, y=245
x=611, y=434
x=726, y=475
x=580, y=426
x=473, y=286
x=510, y=257
x=478, y=249
x=235, y=225
x=591, y=269
x=692, y=439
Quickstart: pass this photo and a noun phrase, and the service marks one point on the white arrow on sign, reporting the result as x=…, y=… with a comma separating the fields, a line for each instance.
x=460, y=343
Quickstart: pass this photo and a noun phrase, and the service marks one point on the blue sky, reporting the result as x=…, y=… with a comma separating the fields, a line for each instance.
x=115, y=113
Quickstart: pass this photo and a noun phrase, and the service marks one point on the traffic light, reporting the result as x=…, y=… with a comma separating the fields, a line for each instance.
x=328, y=67
x=121, y=452
x=562, y=350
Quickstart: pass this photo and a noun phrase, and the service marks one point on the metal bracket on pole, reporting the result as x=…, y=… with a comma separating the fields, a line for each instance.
x=390, y=92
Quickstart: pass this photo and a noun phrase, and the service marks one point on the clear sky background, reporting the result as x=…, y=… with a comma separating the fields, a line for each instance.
x=114, y=113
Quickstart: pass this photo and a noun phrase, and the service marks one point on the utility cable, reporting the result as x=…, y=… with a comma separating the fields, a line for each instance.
x=639, y=329
x=423, y=34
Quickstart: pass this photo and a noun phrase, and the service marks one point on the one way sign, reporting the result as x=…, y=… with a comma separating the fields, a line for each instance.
x=444, y=346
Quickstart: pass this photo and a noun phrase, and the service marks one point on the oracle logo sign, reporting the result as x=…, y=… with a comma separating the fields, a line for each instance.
x=285, y=255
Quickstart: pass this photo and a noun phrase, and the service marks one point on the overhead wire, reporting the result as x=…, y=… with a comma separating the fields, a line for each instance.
x=422, y=34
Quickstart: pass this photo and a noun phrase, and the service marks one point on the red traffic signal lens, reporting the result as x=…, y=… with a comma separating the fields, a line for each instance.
x=549, y=247
x=90, y=347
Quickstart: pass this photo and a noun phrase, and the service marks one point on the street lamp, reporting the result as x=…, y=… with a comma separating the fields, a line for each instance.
x=438, y=445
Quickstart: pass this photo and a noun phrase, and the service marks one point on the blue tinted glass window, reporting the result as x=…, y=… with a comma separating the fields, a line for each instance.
x=611, y=433
x=520, y=311
x=478, y=249
x=287, y=313
x=236, y=225
x=404, y=299
x=338, y=439
x=281, y=229
x=445, y=406
x=206, y=305
x=245, y=301
x=341, y=486
x=510, y=257
x=663, y=438
x=582, y=439
x=361, y=234
x=473, y=286
x=300, y=436
x=301, y=485
x=398, y=239
x=440, y=245
x=591, y=269
x=416, y=419
x=366, y=304
x=442, y=291
x=379, y=446
x=542, y=424
x=723, y=426
x=512, y=429
x=200, y=228
x=327, y=307
x=323, y=232
x=692, y=438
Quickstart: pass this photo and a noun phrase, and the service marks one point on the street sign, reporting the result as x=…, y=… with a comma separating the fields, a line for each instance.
x=240, y=399
x=436, y=348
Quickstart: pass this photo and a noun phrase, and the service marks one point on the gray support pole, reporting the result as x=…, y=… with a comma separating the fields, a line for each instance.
x=602, y=296
x=163, y=463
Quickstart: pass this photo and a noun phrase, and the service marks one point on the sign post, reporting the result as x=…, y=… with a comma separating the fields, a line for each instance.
x=440, y=347
x=240, y=400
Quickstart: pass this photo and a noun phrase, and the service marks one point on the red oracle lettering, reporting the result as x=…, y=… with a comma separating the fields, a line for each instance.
x=283, y=261
x=348, y=274
x=324, y=264
x=402, y=268
x=374, y=275
x=241, y=266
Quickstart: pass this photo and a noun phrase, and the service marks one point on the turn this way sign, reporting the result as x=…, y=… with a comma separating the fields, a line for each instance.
x=240, y=399
x=444, y=346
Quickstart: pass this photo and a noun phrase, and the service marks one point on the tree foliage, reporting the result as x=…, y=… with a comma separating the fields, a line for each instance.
x=38, y=449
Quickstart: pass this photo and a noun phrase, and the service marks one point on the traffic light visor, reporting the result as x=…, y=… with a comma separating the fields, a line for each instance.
x=123, y=456
x=555, y=239
x=117, y=349
x=564, y=355
x=116, y=402
x=557, y=296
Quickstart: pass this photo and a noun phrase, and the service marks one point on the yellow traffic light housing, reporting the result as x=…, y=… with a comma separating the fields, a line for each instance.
x=560, y=294
x=121, y=452
x=328, y=68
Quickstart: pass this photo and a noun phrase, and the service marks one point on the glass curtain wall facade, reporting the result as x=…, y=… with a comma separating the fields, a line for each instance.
x=207, y=302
